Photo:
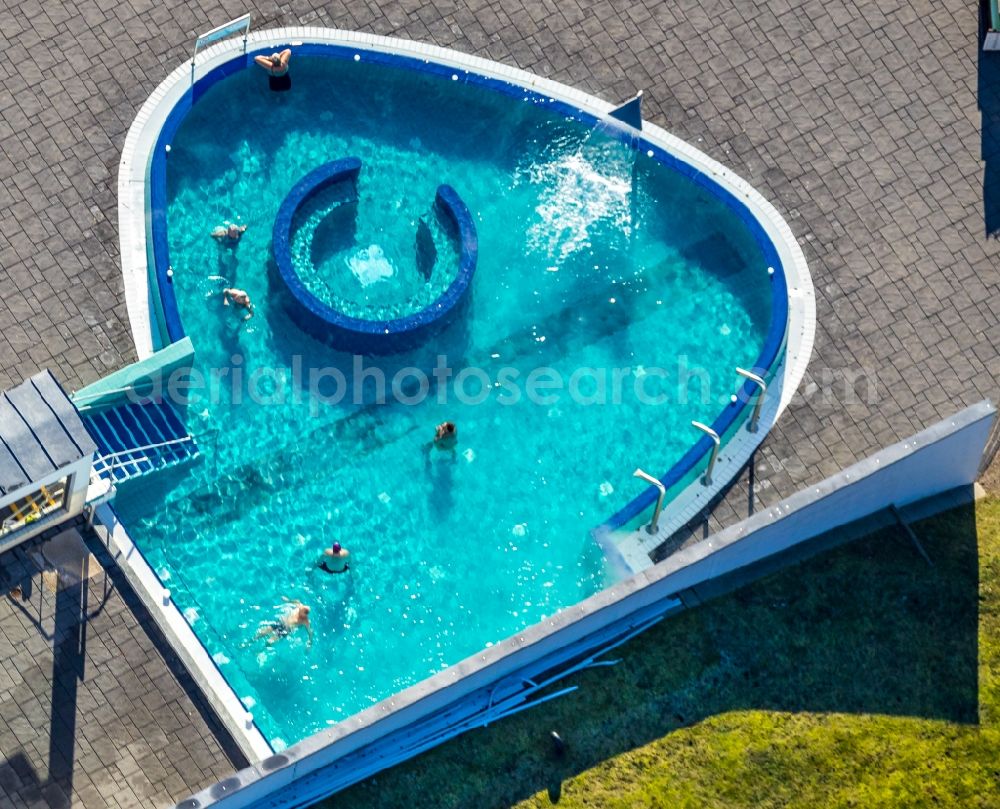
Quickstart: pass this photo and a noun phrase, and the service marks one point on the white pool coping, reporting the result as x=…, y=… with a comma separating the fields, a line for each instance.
x=634, y=547
x=235, y=717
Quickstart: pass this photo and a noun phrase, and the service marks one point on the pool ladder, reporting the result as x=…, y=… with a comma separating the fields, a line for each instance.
x=706, y=479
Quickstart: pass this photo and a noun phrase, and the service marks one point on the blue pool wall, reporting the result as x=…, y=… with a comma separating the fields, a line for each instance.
x=329, y=325
x=726, y=423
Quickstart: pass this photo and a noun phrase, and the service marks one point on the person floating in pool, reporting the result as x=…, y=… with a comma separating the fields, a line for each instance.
x=446, y=435
x=335, y=559
x=276, y=66
x=294, y=615
x=229, y=233
x=240, y=299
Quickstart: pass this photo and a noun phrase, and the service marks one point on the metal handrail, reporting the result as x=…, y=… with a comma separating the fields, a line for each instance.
x=108, y=463
x=760, y=383
x=112, y=462
x=706, y=479
x=638, y=473
x=220, y=32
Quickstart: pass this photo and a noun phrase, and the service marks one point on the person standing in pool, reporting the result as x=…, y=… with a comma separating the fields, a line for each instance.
x=295, y=614
x=276, y=66
x=335, y=559
x=446, y=435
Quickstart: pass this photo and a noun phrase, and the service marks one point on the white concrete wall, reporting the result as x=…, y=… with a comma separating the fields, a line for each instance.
x=76, y=497
x=226, y=704
x=943, y=457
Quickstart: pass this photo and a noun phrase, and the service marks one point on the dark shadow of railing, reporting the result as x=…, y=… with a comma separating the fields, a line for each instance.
x=34, y=612
x=75, y=605
x=69, y=645
x=17, y=776
x=169, y=656
x=69, y=653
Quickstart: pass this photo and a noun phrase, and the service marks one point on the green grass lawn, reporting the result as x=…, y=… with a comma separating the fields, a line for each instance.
x=862, y=677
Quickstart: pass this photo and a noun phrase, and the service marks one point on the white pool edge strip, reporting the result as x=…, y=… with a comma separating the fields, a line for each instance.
x=179, y=634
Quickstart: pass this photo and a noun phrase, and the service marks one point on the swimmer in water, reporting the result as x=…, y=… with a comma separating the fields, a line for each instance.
x=276, y=66
x=446, y=435
x=295, y=614
x=230, y=233
x=240, y=299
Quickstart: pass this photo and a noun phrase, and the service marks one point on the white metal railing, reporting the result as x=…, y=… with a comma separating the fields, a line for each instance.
x=221, y=32
x=760, y=383
x=706, y=479
x=108, y=463
x=33, y=507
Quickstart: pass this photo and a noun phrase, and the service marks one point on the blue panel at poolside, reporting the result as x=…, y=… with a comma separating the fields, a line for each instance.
x=629, y=113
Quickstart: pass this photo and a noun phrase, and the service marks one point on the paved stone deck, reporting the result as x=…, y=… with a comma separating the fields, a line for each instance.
x=860, y=120
x=95, y=711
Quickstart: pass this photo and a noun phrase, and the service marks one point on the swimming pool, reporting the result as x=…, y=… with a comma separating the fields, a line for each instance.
x=593, y=255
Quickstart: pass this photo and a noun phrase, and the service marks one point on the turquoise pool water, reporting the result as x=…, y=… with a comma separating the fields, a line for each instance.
x=591, y=258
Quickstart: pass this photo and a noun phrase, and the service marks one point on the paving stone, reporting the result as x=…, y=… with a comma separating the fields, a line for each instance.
x=67, y=733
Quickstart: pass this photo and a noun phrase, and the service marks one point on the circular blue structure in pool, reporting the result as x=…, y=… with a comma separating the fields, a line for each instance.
x=353, y=297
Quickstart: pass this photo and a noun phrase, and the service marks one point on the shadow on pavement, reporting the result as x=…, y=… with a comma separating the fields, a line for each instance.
x=867, y=628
